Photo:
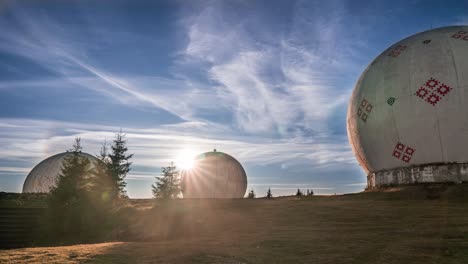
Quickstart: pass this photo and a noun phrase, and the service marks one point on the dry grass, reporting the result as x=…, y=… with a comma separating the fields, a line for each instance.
x=391, y=227
x=66, y=254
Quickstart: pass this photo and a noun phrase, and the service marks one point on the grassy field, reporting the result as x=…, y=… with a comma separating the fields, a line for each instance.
x=411, y=225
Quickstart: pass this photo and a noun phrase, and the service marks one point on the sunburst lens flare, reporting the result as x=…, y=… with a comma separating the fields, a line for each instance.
x=215, y=174
x=186, y=159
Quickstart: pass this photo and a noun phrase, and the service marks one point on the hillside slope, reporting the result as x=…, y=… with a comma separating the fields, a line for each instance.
x=426, y=224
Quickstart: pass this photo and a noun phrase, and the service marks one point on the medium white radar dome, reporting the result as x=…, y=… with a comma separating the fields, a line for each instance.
x=214, y=175
x=407, y=119
x=43, y=176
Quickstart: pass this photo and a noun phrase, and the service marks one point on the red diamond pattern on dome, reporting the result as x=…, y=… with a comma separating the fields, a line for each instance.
x=432, y=83
x=363, y=103
x=443, y=89
x=461, y=35
x=403, y=152
x=433, y=99
x=395, y=52
x=409, y=151
x=422, y=92
x=432, y=91
x=406, y=158
x=400, y=147
x=364, y=117
x=364, y=107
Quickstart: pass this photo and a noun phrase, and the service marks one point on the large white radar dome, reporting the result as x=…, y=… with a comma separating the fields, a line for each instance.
x=214, y=175
x=407, y=119
x=43, y=176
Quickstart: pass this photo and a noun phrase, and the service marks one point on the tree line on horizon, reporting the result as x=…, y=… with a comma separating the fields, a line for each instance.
x=89, y=202
x=86, y=202
x=108, y=176
x=269, y=194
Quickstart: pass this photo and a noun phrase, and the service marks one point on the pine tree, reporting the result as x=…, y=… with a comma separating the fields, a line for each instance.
x=105, y=189
x=269, y=194
x=79, y=207
x=299, y=192
x=311, y=192
x=251, y=194
x=108, y=188
x=103, y=153
x=68, y=202
x=168, y=184
x=119, y=165
x=75, y=170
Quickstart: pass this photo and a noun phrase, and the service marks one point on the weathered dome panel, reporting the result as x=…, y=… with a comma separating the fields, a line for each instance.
x=214, y=175
x=410, y=106
x=43, y=176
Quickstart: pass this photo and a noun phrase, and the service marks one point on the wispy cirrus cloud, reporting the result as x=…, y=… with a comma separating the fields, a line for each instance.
x=461, y=20
x=265, y=95
x=283, y=83
x=42, y=138
x=56, y=48
x=27, y=142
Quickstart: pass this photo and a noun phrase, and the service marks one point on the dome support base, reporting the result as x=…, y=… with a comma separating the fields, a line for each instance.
x=429, y=173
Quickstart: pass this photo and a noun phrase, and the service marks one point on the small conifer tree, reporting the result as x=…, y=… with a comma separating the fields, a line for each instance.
x=69, y=212
x=119, y=164
x=168, y=184
x=299, y=192
x=251, y=194
x=105, y=188
x=269, y=194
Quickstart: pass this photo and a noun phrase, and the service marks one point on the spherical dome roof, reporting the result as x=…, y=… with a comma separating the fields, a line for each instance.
x=214, y=175
x=410, y=106
x=43, y=176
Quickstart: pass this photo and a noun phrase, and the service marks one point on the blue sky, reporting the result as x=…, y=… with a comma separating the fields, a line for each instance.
x=265, y=81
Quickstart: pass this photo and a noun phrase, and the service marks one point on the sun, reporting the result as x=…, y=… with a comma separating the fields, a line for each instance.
x=185, y=159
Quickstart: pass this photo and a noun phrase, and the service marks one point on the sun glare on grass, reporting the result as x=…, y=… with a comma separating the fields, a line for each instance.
x=185, y=159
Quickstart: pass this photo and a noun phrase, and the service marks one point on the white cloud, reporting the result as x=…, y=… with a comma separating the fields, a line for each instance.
x=47, y=43
x=275, y=88
x=280, y=94
x=156, y=147
x=295, y=186
x=461, y=20
x=270, y=88
x=357, y=184
x=13, y=170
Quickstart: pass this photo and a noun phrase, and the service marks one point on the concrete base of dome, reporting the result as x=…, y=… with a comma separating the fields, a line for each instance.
x=430, y=173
